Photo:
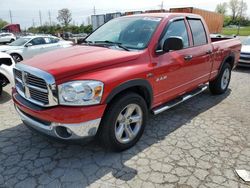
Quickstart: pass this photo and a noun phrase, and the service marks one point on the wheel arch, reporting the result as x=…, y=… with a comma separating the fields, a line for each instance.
x=228, y=59
x=139, y=86
x=13, y=53
x=3, y=78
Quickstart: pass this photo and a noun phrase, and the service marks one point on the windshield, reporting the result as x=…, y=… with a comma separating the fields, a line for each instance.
x=130, y=32
x=246, y=41
x=19, y=42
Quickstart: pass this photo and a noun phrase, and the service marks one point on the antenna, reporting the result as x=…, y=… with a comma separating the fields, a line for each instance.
x=94, y=10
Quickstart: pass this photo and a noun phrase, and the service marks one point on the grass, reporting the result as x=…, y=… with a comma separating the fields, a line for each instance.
x=244, y=31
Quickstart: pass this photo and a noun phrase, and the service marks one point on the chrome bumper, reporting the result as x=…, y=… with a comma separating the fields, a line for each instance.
x=63, y=131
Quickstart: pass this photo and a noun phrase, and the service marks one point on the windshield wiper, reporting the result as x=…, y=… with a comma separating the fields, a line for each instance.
x=112, y=43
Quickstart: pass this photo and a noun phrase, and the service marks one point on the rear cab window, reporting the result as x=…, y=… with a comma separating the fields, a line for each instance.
x=198, y=32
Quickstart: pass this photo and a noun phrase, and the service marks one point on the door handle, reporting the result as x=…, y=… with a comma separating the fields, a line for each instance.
x=188, y=57
x=209, y=52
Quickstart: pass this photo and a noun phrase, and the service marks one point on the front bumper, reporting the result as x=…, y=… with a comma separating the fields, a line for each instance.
x=62, y=131
x=244, y=60
x=67, y=123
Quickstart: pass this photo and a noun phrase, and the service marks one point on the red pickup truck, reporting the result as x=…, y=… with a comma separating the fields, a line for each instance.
x=127, y=68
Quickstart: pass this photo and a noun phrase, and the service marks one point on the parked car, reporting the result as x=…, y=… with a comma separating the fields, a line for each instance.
x=245, y=53
x=6, y=70
x=128, y=67
x=7, y=38
x=29, y=46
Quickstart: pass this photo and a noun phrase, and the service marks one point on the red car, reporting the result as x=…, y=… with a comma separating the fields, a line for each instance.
x=127, y=68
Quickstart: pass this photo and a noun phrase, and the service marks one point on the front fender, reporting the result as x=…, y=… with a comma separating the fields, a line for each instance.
x=130, y=84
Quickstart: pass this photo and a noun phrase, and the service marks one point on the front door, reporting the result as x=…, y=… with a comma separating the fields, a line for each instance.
x=36, y=48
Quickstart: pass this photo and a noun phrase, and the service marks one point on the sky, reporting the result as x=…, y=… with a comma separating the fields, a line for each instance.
x=26, y=12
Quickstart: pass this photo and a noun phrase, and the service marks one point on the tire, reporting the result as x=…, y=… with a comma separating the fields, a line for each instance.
x=17, y=58
x=221, y=83
x=12, y=40
x=1, y=90
x=117, y=131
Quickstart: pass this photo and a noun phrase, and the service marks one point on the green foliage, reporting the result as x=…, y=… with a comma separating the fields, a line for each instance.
x=2, y=23
x=55, y=29
x=244, y=31
x=221, y=8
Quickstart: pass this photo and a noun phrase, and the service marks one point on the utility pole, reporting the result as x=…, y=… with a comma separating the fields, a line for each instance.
x=162, y=5
x=49, y=18
x=94, y=10
x=33, y=22
x=10, y=16
x=241, y=9
x=40, y=17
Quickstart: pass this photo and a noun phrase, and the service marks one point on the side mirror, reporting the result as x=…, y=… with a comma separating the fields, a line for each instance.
x=28, y=45
x=173, y=43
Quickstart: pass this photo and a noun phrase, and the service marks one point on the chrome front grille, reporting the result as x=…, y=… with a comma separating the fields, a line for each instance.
x=35, y=81
x=35, y=85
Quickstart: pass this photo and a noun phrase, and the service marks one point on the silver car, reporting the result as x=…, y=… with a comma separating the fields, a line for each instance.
x=29, y=46
x=7, y=37
x=245, y=53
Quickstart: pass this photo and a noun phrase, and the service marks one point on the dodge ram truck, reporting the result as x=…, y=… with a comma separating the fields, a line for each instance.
x=130, y=66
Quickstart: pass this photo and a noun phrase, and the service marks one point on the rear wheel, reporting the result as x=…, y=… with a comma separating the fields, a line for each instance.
x=12, y=40
x=221, y=83
x=17, y=58
x=123, y=122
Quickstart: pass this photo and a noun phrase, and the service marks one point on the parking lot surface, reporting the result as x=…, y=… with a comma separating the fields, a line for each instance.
x=199, y=143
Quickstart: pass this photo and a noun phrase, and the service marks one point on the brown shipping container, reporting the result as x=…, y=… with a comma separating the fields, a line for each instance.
x=214, y=20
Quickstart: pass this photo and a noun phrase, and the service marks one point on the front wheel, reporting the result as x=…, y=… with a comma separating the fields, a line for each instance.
x=123, y=122
x=221, y=83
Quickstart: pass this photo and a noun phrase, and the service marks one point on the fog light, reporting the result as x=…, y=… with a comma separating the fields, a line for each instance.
x=63, y=132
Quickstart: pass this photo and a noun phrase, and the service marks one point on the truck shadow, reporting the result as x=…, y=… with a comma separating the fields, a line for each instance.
x=5, y=97
x=35, y=155
x=242, y=69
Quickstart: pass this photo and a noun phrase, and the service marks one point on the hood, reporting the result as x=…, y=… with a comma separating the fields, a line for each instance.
x=5, y=48
x=245, y=48
x=74, y=60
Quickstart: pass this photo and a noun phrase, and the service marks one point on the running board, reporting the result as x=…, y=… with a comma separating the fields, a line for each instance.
x=179, y=100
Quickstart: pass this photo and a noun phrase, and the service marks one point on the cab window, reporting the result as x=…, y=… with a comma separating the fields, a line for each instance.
x=198, y=32
x=176, y=29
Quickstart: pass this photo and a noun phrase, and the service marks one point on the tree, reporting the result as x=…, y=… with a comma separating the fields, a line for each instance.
x=221, y=8
x=238, y=8
x=2, y=23
x=64, y=16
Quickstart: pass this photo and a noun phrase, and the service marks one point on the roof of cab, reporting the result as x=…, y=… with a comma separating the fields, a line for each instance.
x=164, y=15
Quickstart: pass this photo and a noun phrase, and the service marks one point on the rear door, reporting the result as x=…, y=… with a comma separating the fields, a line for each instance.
x=201, y=62
x=182, y=70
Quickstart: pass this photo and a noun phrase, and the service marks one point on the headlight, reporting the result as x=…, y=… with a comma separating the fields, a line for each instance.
x=77, y=93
